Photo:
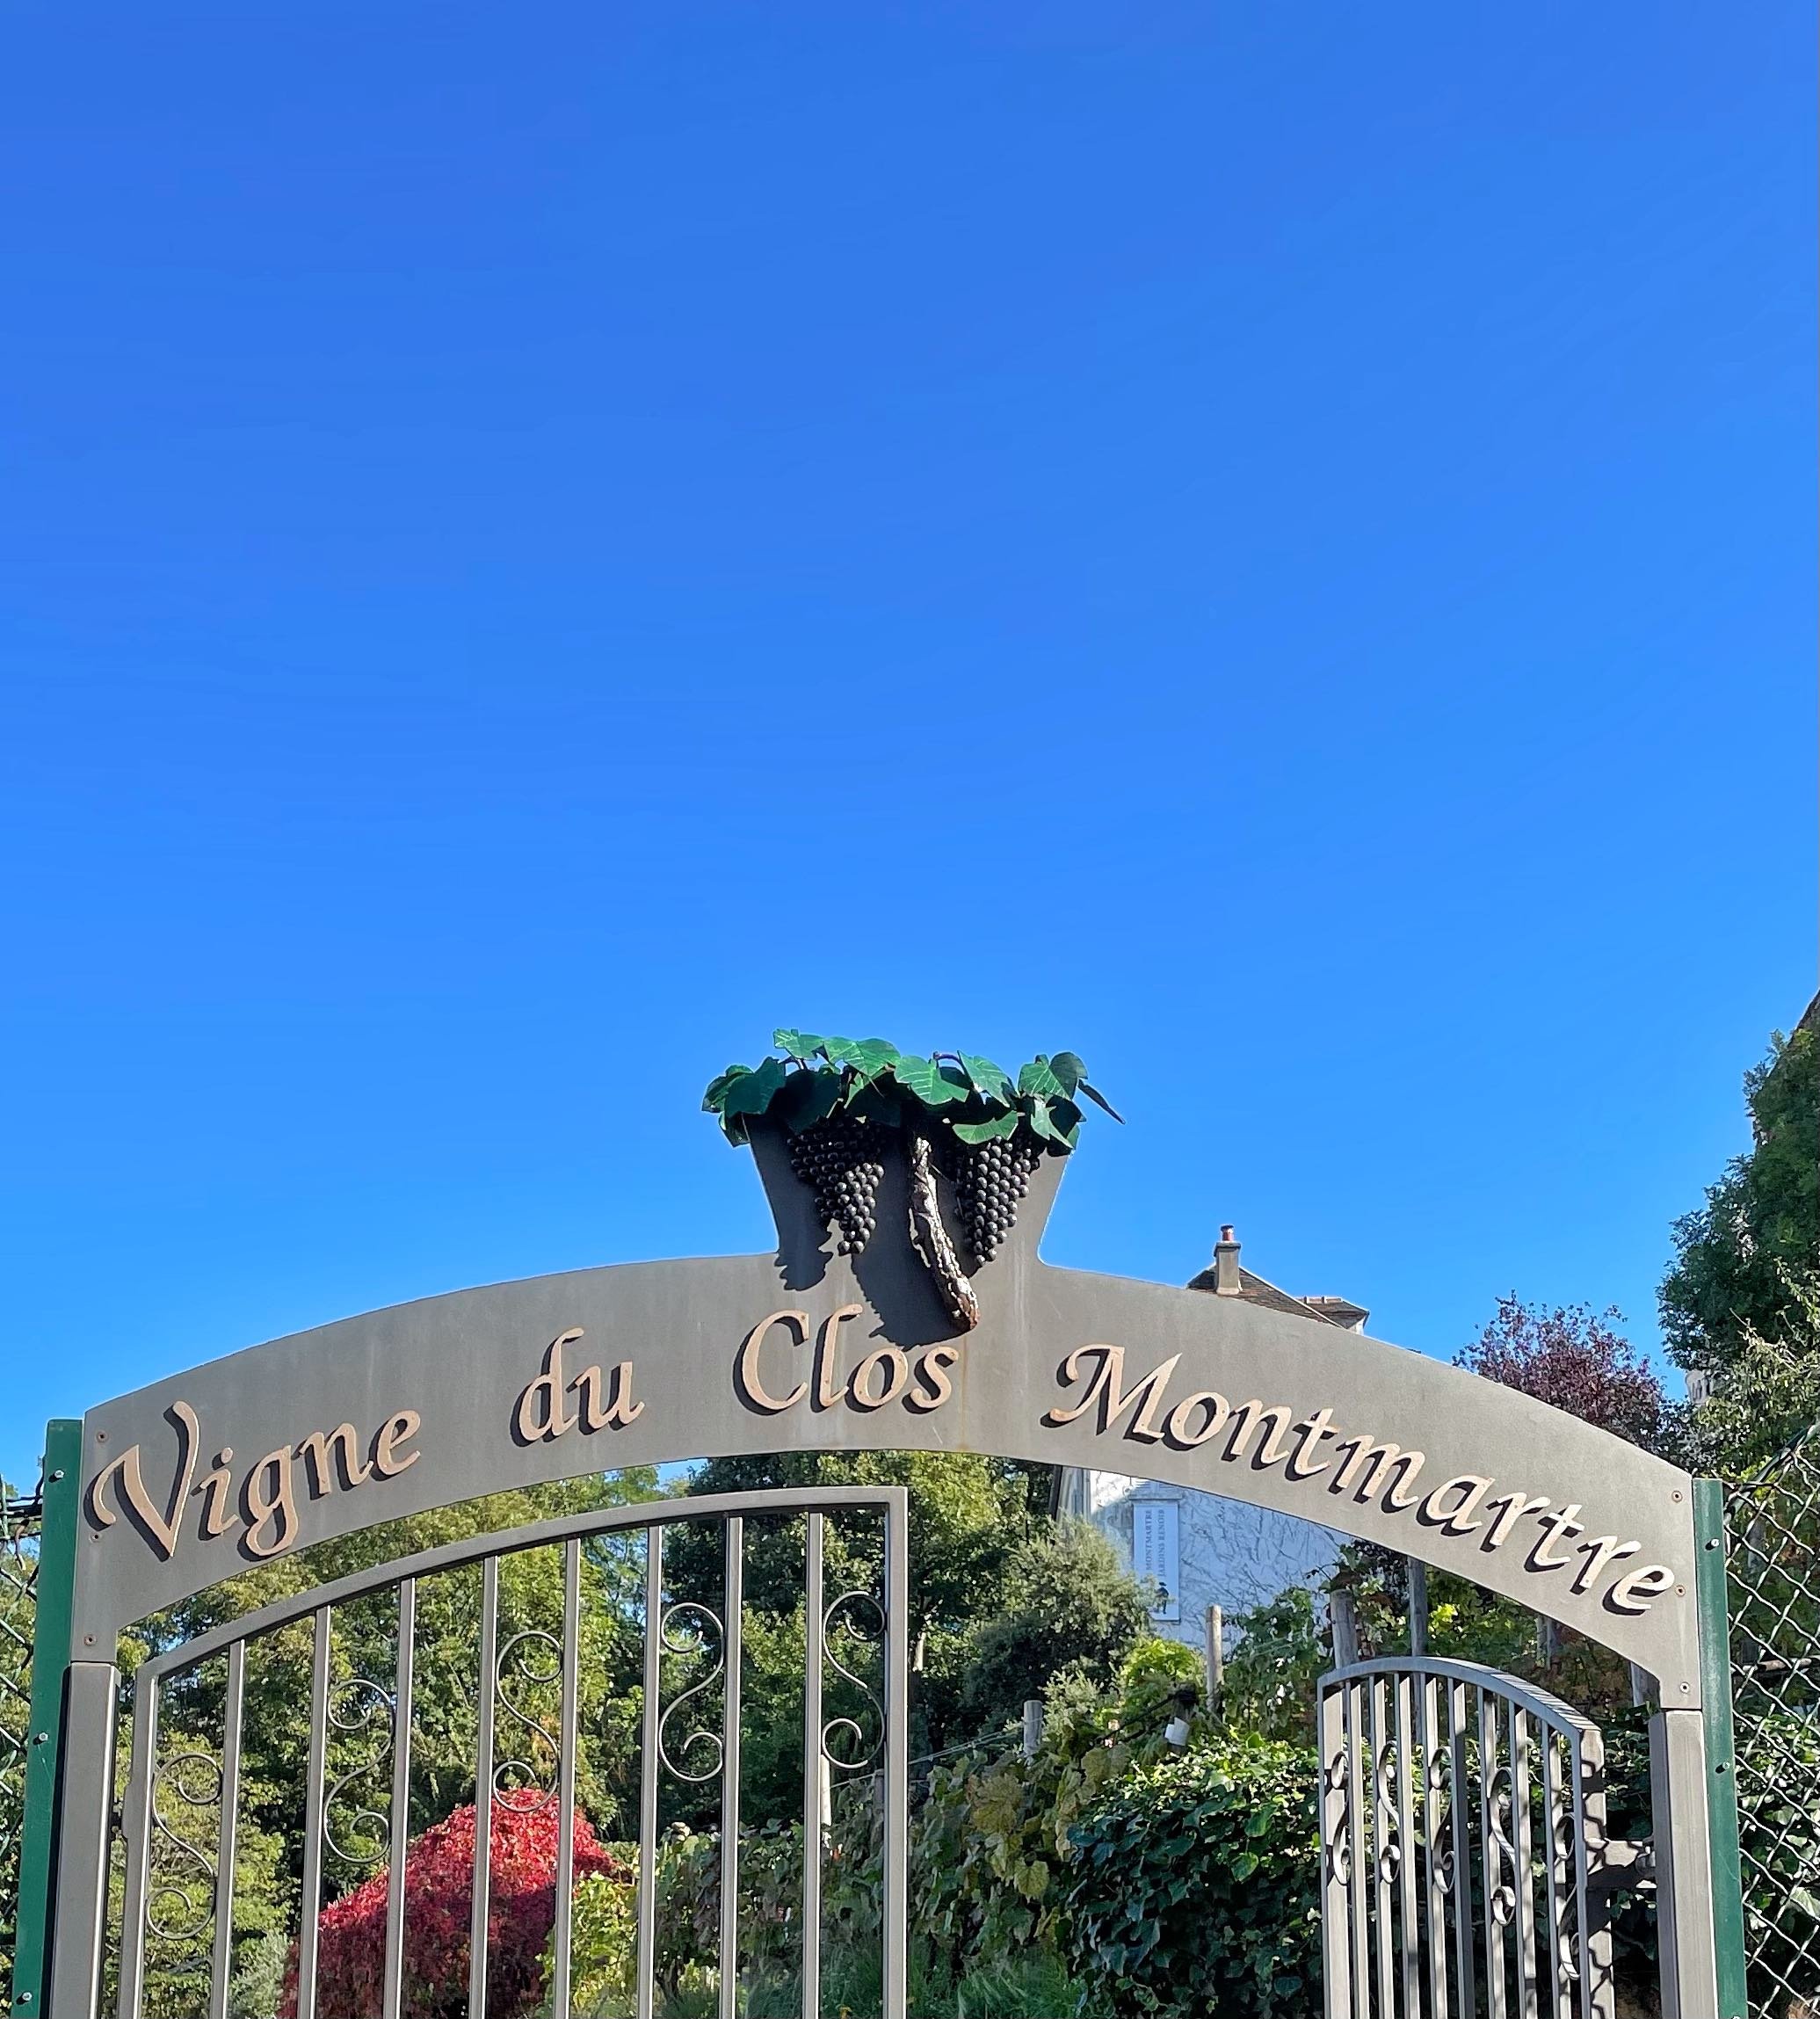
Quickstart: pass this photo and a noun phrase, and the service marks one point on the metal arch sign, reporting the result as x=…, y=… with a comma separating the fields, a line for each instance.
x=192, y=1479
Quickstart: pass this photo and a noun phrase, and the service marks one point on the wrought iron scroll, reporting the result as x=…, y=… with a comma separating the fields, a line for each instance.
x=1462, y=1814
x=356, y=1830
x=523, y=1772
x=856, y=1617
x=699, y=1633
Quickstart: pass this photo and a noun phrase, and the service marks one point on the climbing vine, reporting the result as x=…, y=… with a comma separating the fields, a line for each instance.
x=841, y=1100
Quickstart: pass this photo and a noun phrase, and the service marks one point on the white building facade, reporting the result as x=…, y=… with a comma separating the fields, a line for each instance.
x=1195, y=1549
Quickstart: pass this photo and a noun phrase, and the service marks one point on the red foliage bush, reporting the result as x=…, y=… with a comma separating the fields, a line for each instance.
x=1573, y=1359
x=438, y=1895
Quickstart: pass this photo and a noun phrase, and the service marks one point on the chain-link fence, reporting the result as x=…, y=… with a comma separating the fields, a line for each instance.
x=1774, y=1520
x=19, y=1579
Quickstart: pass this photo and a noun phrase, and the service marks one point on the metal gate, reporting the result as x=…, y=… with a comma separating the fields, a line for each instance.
x=1462, y=1831
x=187, y=1792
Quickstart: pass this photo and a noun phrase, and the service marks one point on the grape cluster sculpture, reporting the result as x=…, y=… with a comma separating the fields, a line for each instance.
x=841, y=1100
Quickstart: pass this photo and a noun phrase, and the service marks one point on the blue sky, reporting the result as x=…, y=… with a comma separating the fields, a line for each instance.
x=1269, y=546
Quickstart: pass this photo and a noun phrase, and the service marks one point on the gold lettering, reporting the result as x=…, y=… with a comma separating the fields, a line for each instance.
x=1634, y=1589
x=1313, y=1429
x=828, y=1387
x=1246, y=1418
x=159, y=1528
x=1473, y=1488
x=1513, y=1507
x=1145, y=1395
x=1383, y=1459
x=395, y=1431
x=745, y=1369
x=214, y=1489
x=541, y=1418
x=898, y=1366
x=1558, y=1523
x=259, y=1507
x=1175, y=1425
x=933, y=1387
x=620, y=1408
x=314, y=1451
x=1601, y=1550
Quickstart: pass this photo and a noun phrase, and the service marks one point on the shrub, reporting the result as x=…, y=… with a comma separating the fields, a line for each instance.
x=1195, y=1885
x=439, y=1893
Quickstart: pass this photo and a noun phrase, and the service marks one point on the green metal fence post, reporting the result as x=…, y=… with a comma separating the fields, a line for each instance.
x=1709, y=1585
x=50, y=1665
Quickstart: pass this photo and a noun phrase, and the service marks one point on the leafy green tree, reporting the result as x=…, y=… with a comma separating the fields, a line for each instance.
x=1074, y=1605
x=1760, y=1222
x=1768, y=1395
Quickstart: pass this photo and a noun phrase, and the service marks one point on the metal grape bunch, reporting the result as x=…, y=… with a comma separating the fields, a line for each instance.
x=842, y=1100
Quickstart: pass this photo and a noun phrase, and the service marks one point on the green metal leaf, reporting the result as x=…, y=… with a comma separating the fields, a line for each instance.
x=927, y=1082
x=868, y=1055
x=871, y=1103
x=1000, y=1125
x=1068, y=1068
x=810, y=1097
x=752, y=1094
x=1100, y=1100
x=1055, y=1120
x=991, y=1080
x=1036, y=1077
x=717, y=1087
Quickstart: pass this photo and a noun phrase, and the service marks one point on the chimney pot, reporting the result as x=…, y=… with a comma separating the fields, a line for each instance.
x=1227, y=1280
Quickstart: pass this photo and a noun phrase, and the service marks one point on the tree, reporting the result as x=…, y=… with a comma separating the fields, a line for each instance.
x=1573, y=1359
x=1768, y=1395
x=1761, y=1220
x=1076, y=1607
x=439, y=1893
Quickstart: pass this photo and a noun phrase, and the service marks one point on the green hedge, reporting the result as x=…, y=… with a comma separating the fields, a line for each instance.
x=1195, y=1885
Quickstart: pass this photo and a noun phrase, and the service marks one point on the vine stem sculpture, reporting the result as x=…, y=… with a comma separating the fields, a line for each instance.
x=930, y=1238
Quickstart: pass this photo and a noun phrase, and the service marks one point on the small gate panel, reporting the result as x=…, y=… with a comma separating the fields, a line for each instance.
x=1462, y=1819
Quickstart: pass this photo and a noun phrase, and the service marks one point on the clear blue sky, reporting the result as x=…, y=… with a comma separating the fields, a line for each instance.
x=1269, y=545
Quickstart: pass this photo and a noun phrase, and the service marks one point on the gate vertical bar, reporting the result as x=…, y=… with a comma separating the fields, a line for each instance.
x=732, y=1598
x=1434, y=1853
x=1683, y=1889
x=896, y=1756
x=1406, y=1866
x=1556, y=1865
x=399, y=1818
x=1335, y=1846
x=1359, y=1864
x=1709, y=1587
x=1497, y=1984
x=644, y=1994
x=1460, y=1895
x=1523, y=1858
x=221, y=1954
x=480, y=1908
x=565, y=1778
x=315, y=1796
x=84, y=1829
x=54, y=1588
x=1383, y=1821
x=812, y=1770
x=138, y=1822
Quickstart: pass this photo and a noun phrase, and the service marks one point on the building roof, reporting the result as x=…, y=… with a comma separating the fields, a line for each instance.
x=1342, y=1311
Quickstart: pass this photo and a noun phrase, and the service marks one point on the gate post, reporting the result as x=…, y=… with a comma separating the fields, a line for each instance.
x=1709, y=1575
x=54, y=1594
